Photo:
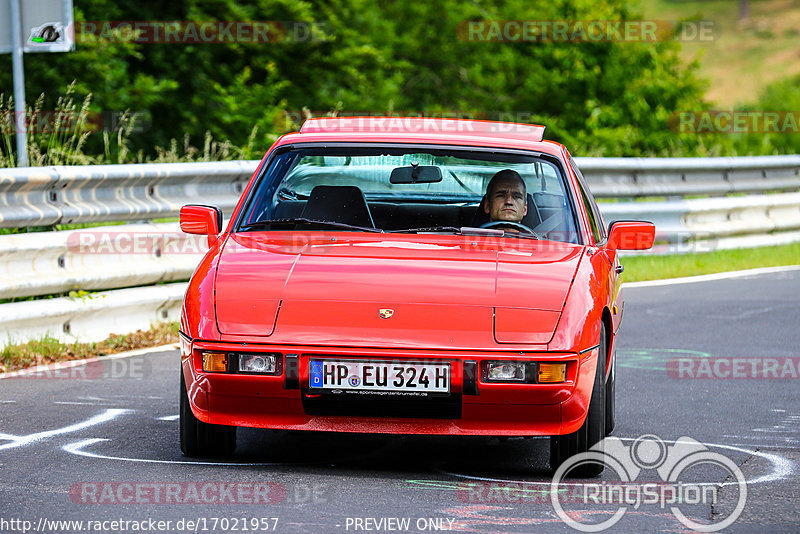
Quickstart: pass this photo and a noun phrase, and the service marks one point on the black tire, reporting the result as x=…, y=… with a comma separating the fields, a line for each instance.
x=610, y=395
x=593, y=429
x=199, y=439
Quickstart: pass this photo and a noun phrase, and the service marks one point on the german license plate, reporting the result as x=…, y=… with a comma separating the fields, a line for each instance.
x=379, y=376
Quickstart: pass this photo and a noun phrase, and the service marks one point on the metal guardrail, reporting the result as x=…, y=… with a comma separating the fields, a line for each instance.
x=107, y=257
x=705, y=224
x=93, y=317
x=644, y=177
x=96, y=259
x=39, y=196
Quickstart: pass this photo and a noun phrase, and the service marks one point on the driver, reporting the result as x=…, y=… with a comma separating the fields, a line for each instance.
x=506, y=197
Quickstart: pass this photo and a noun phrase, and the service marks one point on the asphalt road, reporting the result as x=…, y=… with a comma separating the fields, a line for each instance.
x=706, y=360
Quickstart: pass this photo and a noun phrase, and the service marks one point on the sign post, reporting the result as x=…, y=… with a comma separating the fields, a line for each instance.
x=34, y=26
x=20, y=120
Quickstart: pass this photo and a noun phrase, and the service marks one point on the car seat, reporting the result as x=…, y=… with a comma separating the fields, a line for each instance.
x=338, y=203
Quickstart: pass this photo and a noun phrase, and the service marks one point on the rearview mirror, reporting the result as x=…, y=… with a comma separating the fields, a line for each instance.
x=200, y=220
x=416, y=174
x=631, y=235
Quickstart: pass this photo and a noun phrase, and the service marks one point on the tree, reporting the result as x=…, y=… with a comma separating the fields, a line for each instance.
x=603, y=97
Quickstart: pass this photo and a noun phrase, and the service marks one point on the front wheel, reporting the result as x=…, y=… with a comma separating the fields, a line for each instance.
x=199, y=439
x=593, y=429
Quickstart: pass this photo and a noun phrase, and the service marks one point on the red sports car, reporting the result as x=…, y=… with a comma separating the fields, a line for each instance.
x=406, y=276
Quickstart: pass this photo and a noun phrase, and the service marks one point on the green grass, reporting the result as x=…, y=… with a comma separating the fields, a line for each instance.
x=82, y=226
x=65, y=142
x=646, y=267
x=48, y=349
x=747, y=55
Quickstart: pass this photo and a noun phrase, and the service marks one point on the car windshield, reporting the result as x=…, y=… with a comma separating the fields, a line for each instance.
x=404, y=189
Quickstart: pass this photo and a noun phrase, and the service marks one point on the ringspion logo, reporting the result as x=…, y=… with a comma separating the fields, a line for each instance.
x=676, y=491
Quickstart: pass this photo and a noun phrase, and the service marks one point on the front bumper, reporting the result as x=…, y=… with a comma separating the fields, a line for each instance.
x=284, y=401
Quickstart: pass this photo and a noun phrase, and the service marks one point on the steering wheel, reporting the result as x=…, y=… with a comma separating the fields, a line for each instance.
x=510, y=224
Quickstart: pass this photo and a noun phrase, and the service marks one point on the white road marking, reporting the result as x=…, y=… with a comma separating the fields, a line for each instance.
x=76, y=403
x=711, y=277
x=137, y=398
x=782, y=467
x=742, y=315
x=104, y=417
x=7, y=402
x=761, y=444
x=77, y=448
x=169, y=418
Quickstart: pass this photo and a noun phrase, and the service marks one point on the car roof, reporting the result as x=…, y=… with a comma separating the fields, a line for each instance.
x=419, y=130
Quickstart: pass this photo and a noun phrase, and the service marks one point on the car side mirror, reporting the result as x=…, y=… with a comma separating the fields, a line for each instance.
x=201, y=220
x=631, y=235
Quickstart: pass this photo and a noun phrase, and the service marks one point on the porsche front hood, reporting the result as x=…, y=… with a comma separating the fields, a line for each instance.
x=409, y=289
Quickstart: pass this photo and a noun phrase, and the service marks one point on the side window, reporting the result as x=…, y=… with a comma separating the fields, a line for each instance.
x=595, y=219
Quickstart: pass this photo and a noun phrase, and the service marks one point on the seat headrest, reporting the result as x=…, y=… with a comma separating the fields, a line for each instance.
x=338, y=203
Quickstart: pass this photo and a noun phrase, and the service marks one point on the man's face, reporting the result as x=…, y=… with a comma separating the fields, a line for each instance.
x=507, y=202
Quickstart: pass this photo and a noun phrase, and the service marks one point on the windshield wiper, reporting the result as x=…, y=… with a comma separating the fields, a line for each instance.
x=261, y=225
x=466, y=230
x=522, y=235
x=426, y=229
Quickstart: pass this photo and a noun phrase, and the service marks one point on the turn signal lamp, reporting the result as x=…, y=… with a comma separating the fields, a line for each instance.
x=552, y=372
x=215, y=362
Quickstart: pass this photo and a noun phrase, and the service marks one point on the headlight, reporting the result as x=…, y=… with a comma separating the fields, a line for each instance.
x=508, y=371
x=523, y=372
x=267, y=363
x=259, y=363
